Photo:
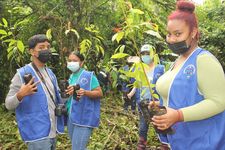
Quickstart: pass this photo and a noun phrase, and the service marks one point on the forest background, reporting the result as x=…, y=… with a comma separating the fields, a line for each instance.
x=100, y=29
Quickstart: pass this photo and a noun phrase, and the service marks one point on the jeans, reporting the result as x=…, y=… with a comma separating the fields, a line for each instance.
x=143, y=127
x=44, y=144
x=79, y=135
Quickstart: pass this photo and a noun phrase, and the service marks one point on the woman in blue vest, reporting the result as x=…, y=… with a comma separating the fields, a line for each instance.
x=193, y=89
x=152, y=72
x=84, y=109
x=35, y=101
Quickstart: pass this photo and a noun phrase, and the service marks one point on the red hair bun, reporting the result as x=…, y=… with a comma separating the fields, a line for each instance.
x=185, y=6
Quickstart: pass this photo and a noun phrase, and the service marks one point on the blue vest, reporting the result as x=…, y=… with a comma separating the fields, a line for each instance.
x=158, y=71
x=125, y=87
x=86, y=111
x=32, y=114
x=207, y=134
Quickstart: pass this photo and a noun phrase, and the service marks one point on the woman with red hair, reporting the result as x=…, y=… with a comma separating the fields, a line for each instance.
x=193, y=89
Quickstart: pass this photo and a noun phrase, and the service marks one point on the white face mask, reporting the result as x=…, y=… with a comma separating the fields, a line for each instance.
x=73, y=66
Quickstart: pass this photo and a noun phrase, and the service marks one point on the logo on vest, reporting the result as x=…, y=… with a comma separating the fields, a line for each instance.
x=83, y=81
x=189, y=71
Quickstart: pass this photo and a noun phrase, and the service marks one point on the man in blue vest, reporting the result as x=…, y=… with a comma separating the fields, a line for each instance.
x=36, y=98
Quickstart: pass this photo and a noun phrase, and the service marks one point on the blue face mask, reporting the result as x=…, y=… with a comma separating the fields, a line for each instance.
x=146, y=59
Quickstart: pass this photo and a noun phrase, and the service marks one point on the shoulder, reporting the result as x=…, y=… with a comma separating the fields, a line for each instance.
x=24, y=68
x=207, y=61
x=206, y=56
x=51, y=73
x=49, y=70
x=88, y=72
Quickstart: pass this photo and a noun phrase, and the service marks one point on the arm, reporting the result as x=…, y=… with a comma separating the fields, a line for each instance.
x=18, y=91
x=95, y=92
x=131, y=93
x=11, y=101
x=211, y=83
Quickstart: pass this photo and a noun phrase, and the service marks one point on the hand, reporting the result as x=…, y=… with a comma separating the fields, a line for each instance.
x=27, y=89
x=165, y=121
x=70, y=90
x=129, y=95
x=80, y=93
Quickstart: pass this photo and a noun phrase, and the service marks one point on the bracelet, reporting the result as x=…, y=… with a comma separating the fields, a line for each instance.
x=180, y=115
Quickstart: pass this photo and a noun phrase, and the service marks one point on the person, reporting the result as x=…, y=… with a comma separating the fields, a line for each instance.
x=129, y=94
x=35, y=101
x=104, y=80
x=192, y=89
x=84, y=108
x=152, y=73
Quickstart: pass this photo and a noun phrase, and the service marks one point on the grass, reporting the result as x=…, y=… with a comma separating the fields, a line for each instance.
x=117, y=131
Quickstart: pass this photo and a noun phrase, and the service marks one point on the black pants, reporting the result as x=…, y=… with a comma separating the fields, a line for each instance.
x=129, y=102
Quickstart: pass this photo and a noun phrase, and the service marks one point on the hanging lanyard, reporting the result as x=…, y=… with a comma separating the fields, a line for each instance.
x=43, y=80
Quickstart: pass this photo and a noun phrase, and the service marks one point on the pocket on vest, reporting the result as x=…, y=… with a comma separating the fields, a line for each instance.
x=34, y=126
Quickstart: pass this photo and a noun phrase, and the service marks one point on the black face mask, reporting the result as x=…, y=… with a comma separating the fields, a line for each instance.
x=44, y=55
x=179, y=47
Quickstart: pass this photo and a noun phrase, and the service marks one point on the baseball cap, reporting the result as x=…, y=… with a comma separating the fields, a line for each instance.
x=146, y=47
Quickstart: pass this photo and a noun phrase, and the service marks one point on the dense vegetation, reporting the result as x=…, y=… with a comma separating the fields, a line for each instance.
x=99, y=28
x=118, y=130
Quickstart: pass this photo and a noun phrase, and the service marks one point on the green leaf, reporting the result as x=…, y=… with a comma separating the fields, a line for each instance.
x=91, y=28
x=10, y=54
x=156, y=96
x=153, y=33
x=122, y=48
x=128, y=73
x=5, y=22
x=156, y=59
x=49, y=34
x=119, y=36
x=100, y=49
x=20, y=46
x=12, y=42
x=152, y=85
x=9, y=40
x=3, y=32
x=137, y=11
x=21, y=23
x=119, y=55
x=85, y=45
x=9, y=33
x=9, y=49
x=3, y=36
x=114, y=37
x=53, y=50
x=99, y=37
